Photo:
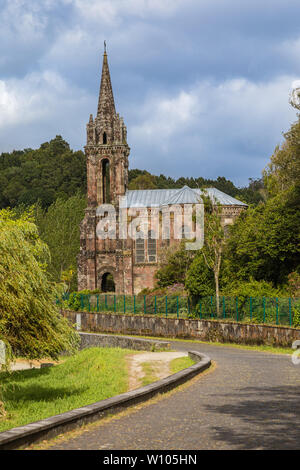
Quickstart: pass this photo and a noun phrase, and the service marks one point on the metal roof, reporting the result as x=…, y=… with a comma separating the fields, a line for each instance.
x=185, y=195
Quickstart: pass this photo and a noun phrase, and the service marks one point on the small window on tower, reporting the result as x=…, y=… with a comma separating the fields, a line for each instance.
x=104, y=138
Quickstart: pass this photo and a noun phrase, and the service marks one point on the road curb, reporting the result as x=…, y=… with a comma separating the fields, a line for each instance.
x=23, y=436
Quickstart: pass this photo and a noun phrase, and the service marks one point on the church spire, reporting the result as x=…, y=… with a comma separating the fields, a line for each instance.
x=106, y=103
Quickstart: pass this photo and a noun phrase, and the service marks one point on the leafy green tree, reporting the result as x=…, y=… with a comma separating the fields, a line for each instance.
x=264, y=241
x=44, y=174
x=30, y=321
x=252, y=288
x=283, y=171
x=199, y=279
x=59, y=227
x=174, y=266
x=145, y=181
x=214, y=238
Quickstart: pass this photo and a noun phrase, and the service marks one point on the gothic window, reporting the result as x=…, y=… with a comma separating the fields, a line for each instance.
x=151, y=247
x=140, y=249
x=105, y=181
x=104, y=138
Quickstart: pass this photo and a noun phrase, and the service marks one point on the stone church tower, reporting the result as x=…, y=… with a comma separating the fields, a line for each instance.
x=107, y=154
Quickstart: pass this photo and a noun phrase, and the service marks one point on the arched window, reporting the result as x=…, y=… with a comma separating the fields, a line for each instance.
x=105, y=181
x=104, y=138
x=140, y=249
x=151, y=247
x=107, y=283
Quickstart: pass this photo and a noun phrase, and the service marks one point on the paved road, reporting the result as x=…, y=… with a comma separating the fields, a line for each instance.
x=250, y=401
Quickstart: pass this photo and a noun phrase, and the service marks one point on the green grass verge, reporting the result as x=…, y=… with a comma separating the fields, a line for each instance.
x=180, y=363
x=89, y=376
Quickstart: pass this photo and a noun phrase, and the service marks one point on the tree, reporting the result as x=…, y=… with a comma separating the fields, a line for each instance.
x=264, y=242
x=214, y=238
x=199, y=279
x=30, y=321
x=59, y=227
x=145, y=181
x=174, y=265
x=283, y=171
x=44, y=174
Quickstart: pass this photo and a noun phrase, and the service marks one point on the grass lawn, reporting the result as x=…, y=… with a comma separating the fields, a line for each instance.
x=180, y=363
x=89, y=376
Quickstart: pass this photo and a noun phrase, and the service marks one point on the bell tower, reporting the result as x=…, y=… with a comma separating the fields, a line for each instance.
x=107, y=154
x=106, y=149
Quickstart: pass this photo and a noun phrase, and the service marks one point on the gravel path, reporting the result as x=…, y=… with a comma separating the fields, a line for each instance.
x=250, y=401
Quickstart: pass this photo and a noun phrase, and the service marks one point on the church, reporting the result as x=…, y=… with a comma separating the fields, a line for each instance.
x=126, y=265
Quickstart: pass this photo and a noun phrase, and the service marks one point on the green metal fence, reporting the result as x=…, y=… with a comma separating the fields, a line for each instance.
x=275, y=311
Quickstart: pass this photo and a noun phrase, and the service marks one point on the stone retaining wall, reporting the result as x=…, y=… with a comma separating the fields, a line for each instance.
x=89, y=340
x=206, y=330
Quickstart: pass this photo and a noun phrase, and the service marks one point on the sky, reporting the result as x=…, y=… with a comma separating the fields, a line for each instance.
x=203, y=85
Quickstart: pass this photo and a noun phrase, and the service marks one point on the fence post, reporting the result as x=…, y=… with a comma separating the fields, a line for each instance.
x=89, y=302
x=211, y=312
x=290, y=310
x=81, y=302
x=115, y=306
x=200, y=310
x=264, y=304
x=134, y=304
x=105, y=302
x=277, y=312
x=237, y=308
x=144, y=304
x=224, y=311
x=177, y=308
x=97, y=303
x=250, y=308
x=166, y=305
x=155, y=304
x=124, y=303
x=189, y=308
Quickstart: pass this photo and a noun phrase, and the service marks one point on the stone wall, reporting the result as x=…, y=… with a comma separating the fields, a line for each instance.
x=89, y=340
x=205, y=330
